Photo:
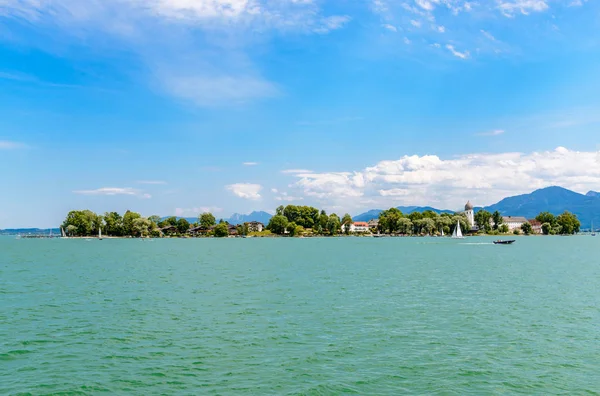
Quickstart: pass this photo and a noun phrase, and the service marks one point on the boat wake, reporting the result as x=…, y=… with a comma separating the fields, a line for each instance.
x=476, y=243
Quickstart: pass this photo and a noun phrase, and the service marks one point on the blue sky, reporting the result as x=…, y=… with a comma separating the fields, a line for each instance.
x=180, y=106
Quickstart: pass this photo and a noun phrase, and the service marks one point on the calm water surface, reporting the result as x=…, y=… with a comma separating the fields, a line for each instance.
x=300, y=317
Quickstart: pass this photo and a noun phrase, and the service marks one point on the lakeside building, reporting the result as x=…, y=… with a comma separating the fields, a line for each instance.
x=358, y=226
x=470, y=213
x=374, y=223
x=514, y=223
x=255, y=226
x=536, y=226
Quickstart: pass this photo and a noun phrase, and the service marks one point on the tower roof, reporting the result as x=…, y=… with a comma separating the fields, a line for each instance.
x=469, y=206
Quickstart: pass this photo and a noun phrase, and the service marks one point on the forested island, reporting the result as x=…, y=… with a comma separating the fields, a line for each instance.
x=306, y=221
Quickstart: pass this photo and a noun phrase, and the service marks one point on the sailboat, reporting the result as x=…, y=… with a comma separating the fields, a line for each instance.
x=100, y=234
x=63, y=234
x=443, y=231
x=457, y=234
x=593, y=232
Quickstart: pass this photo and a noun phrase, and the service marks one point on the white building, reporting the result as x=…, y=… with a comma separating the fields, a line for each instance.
x=255, y=226
x=470, y=213
x=513, y=223
x=358, y=226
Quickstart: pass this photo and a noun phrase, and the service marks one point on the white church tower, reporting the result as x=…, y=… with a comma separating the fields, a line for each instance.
x=470, y=214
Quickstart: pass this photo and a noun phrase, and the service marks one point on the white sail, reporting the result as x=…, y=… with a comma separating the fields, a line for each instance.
x=442, y=231
x=100, y=233
x=457, y=234
x=62, y=232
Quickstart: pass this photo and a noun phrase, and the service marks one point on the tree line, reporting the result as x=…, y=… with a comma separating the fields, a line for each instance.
x=393, y=221
x=85, y=223
x=299, y=220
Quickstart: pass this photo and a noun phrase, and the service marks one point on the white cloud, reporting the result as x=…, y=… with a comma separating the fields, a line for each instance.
x=389, y=27
x=195, y=50
x=284, y=196
x=458, y=54
x=496, y=132
x=245, y=190
x=407, y=41
x=9, y=145
x=488, y=35
x=510, y=7
x=250, y=163
x=482, y=178
x=461, y=21
x=328, y=24
x=112, y=191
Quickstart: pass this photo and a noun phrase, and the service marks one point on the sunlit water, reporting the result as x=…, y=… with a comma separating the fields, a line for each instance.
x=382, y=316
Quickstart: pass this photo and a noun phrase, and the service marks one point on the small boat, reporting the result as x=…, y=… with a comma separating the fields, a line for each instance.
x=593, y=231
x=457, y=234
x=504, y=242
x=100, y=234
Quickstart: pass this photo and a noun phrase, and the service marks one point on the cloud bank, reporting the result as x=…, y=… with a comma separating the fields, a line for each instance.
x=431, y=180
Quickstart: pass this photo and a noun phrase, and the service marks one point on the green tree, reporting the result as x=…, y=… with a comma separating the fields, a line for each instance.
x=503, y=228
x=113, y=224
x=430, y=214
x=516, y=231
x=482, y=219
x=278, y=224
x=279, y=210
x=546, y=228
x=497, y=218
x=388, y=220
x=140, y=227
x=79, y=222
x=221, y=230
x=546, y=217
x=154, y=219
x=71, y=230
x=427, y=225
x=569, y=223
x=405, y=226
x=323, y=219
x=183, y=226
x=347, y=219
x=291, y=227
x=333, y=224
x=242, y=229
x=526, y=228
x=128, y=220
x=415, y=216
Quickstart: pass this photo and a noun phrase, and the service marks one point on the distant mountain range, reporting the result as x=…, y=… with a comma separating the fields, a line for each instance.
x=552, y=199
x=30, y=231
x=236, y=218
x=374, y=214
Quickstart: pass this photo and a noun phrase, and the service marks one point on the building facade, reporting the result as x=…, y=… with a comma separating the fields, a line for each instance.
x=536, y=226
x=255, y=226
x=358, y=226
x=469, y=212
x=513, y=222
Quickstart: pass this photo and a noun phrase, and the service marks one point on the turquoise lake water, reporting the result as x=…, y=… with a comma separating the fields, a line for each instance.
x=385, y=316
